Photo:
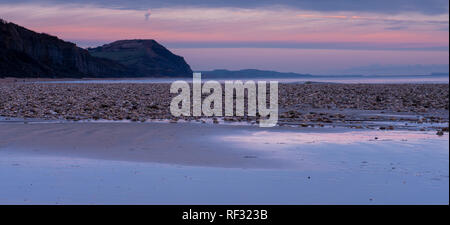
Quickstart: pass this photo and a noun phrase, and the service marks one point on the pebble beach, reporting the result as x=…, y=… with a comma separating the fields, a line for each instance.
x=299, y=104
x=119, y=142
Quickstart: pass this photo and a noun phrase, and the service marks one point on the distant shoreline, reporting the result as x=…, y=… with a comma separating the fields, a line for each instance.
x=347, y=79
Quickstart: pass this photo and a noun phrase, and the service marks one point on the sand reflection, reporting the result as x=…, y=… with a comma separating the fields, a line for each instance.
x=351, y=137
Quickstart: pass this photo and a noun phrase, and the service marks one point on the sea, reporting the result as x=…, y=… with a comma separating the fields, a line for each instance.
x=399, y=79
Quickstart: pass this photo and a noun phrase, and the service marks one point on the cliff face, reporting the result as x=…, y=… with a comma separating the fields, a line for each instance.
x=24, y=53
x=144, y=58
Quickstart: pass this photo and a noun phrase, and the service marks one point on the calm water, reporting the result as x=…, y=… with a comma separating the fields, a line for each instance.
x=352, y=80
x=337, y=168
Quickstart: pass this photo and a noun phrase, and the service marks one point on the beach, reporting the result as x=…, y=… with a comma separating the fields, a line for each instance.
x=165, y=163
x=299, y=104
x=106, y=143
x=226, y=111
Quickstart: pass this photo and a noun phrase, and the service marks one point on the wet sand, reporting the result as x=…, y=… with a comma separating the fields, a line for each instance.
x=184, y=144
x=187, y=144
x=164, y=163
x=336, y=144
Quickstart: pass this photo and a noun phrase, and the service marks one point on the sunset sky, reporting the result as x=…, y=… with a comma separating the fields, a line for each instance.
x=310, y=36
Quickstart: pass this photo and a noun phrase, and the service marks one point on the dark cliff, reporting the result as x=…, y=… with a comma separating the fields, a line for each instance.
x=145, y=58
x=25, y=53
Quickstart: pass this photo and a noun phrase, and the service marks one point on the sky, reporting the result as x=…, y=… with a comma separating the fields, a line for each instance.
x=303, y=36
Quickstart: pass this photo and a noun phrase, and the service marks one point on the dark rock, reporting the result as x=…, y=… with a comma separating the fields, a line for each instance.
x=145, y=58
x=25, y=53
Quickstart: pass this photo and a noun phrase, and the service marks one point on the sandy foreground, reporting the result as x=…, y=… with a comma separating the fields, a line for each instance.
x=185, y=163
x=191, y=144
x=118, y=144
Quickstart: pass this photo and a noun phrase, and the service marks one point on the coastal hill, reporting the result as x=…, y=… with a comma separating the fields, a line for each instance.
x=144, y=57
x=27, y=54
